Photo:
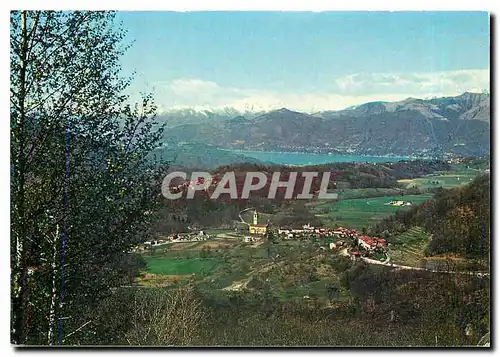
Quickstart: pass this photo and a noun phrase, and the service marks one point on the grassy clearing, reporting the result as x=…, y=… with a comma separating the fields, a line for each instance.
x=316, y=289
x=169, y=266
x=363, y=212
x=407, y=248
x=447, y=180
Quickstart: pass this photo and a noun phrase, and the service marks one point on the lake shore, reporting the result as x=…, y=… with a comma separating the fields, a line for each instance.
x=303, y=159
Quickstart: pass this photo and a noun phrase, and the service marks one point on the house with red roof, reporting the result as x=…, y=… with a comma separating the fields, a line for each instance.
x=381, y=242
x=340, y=232
x=370, y=243
x=367, y=242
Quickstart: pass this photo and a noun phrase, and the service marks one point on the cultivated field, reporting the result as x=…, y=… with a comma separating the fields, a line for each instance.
x=177, y=261
x=175, y=266
x=446, y=180
x=363, y=212
x=407, y=248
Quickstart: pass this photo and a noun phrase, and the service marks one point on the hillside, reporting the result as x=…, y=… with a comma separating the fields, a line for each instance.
x=454, y=125
x=458, y=219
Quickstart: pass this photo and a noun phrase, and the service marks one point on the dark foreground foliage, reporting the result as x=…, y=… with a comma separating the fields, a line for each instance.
x=386, y=308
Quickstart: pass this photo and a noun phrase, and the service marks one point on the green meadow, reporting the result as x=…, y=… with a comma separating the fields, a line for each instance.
x=173, y=266
x=363, y=212
x=448, y=180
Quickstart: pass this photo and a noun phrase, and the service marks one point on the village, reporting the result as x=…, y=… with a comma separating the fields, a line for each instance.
x=344, y=241
x=348, y=241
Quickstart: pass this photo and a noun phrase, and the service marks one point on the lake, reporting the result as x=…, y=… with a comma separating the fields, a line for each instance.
x=302, y=159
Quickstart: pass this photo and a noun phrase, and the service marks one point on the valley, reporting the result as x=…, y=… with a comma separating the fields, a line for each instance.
x=218, y=261
x=315, y=279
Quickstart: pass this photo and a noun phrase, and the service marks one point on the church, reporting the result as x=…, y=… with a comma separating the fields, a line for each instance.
x=257, y=228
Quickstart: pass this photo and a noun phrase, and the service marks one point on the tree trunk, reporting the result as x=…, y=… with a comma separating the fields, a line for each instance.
x=52, y=313
x=19, y=270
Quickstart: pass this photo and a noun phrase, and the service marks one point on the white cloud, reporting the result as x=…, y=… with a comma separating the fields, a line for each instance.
x=308, y=103
x=189, y=92
x=346, y=91
x=437, y=83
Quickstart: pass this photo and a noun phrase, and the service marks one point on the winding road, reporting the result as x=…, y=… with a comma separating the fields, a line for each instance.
x=401, y=267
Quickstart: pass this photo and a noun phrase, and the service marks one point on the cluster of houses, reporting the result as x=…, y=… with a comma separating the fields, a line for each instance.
x=308, y=230
x=366, y=244
x=399, y=203
x=187, y=237
x=179, y=237
x=363, y=241
x=370, y=243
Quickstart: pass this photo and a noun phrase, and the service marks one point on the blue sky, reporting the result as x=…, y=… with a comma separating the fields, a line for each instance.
x=304, y=61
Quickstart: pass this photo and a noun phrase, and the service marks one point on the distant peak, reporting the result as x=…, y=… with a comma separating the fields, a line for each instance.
x=468, y=94
x=285, y=111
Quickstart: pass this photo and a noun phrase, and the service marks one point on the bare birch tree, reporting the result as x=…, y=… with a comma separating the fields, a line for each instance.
x=80, y=161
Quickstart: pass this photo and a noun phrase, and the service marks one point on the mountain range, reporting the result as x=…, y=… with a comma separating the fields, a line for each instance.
x=457, y=125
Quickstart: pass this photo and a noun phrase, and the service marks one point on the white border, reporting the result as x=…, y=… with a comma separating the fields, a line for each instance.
x=188, y=5
x=256, y=5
